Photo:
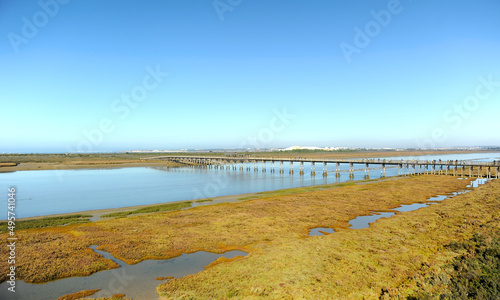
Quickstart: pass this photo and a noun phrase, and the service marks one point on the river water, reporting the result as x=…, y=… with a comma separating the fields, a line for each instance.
x=48, y=192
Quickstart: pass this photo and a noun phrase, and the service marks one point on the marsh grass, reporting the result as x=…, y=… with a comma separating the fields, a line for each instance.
x=386, y=260
x=8, y=164
x=46, y=222
x=151, y=209
x=79, y=295
x=270, y=225
x=473, y=274
x=292, y=191
x=203, y=200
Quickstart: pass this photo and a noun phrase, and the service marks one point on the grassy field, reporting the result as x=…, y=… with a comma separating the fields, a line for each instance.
x=413, y=255
x=256, y=226
x=151, y=209
x=24, y=162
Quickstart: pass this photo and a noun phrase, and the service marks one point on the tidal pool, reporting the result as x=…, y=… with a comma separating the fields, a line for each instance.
x=135, y=281
x=365, y=221
x=316, y=231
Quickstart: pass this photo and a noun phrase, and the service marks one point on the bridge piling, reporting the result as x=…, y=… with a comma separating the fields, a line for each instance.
x=405, y=167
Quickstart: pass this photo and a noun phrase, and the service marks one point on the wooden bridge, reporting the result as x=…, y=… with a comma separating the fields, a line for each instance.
x=405, y=167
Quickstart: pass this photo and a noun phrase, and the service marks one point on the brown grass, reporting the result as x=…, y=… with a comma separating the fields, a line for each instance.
x=222, y=260
x=164, y=278
x=47, y=254
x=79, y=295
x=8, y=165
x=381, y=262
x=51, y=254
x=24, y=162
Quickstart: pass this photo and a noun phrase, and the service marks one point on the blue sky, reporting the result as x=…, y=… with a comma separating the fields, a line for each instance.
x=247, y=74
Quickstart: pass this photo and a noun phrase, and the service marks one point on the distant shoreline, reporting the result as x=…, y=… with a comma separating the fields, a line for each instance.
x=33, y=162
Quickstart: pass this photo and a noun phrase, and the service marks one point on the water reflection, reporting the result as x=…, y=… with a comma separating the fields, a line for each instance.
x=90, y=189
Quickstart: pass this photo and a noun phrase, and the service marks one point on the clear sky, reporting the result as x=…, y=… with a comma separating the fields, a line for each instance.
x=121, y=75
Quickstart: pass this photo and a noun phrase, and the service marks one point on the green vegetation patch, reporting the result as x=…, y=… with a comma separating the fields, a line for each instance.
x=203, y=200
x=475, y=274
x=46, y=222
x=150, y=209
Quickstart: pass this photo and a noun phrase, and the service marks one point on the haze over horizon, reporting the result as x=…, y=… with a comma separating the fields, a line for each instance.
x=116, y=76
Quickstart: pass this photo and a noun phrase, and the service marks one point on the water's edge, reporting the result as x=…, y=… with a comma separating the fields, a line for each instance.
x=362, y=222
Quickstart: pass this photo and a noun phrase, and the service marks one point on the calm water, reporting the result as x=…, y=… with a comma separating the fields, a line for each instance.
x=52, y=192
x=136, y=281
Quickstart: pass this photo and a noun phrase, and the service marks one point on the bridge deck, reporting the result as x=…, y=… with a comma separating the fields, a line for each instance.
x=461, y=163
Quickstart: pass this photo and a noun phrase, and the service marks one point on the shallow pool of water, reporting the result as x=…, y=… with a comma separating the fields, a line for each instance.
x=364, y=221
x=410, y=207
x=316, y=231
x=438, y=198
x=135, y=281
